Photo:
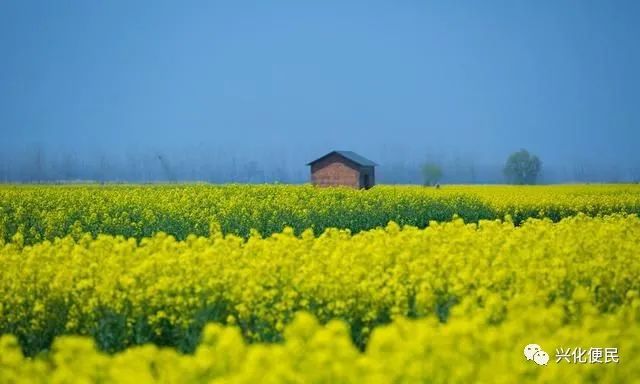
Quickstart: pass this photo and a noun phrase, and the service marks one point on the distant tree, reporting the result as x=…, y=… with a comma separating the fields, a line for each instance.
x=472, y=173
x=35, y=169
x=4, y=170
x=253, y=172
x=68, y=171
x=103, y=169
x=522, y=167
x=579, y=172
x=167, y=170
x=431, y=173
x=635, y=174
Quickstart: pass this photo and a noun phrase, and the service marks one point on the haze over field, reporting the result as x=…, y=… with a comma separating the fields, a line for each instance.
x=251, y=91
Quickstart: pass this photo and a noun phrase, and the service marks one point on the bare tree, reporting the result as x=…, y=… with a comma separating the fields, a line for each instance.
x=166, y=168
x=36, y=169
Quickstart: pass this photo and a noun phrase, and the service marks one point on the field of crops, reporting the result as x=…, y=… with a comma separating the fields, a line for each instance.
x=44, y=213
x=246, y=283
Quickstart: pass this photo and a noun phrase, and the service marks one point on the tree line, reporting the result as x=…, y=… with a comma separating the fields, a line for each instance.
x=521, y=167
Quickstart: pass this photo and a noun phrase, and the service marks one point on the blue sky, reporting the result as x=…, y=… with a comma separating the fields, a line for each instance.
x=384, y=78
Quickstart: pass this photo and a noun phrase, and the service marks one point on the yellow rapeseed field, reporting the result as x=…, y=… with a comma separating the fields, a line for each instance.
x=46, y=212
x=150, y=284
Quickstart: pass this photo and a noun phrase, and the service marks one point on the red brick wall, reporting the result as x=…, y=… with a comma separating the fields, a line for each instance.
x=334, y=170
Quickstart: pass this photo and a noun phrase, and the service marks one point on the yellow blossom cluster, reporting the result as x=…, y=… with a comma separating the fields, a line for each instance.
x=35, y=213
x=466, y=349
x=161, y=290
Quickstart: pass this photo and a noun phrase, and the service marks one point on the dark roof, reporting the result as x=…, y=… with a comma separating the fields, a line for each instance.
x=349, y=155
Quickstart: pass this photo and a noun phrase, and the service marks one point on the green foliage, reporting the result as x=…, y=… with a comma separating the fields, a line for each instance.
x=405, y=292
x=163, y=291
x=467, y=349
x=431, y=173
x=35, y=213
x=522, y=168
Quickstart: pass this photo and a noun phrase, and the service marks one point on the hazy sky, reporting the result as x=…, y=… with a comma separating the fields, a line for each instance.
x=561, y=78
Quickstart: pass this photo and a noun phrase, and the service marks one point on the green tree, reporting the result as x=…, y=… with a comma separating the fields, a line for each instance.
x=431, y=173
x=522, y=167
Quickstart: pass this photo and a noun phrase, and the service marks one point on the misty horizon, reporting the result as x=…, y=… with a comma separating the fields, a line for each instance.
x=251, y=92
x=220, y=166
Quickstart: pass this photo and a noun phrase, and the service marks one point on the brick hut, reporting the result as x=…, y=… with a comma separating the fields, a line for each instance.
x=343, y=168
